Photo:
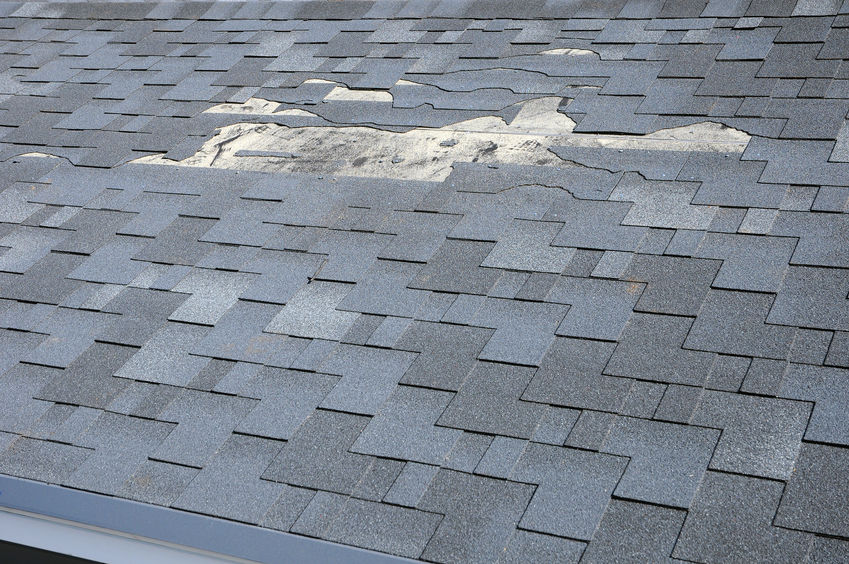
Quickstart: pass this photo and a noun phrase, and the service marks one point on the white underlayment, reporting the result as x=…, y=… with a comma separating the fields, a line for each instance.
x=423, y=153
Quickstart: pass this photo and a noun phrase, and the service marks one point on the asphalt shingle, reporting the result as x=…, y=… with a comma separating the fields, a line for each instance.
x=459, y=281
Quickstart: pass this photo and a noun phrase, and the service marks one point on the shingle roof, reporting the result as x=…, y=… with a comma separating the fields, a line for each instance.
x=459, y=281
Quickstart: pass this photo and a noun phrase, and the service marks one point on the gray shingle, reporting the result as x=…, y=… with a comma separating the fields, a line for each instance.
x=387, y=528
x=598, y=309
x=749, y=262
x=727, y=373
x=319, y=514
x=369, y=375
x=838, y=351
x=634, y=532
x=142, y=313
x=121, y=444
x=555, y=426
x=643, y=399
x=213, y=292
x=282, y=274
x=419, y=235
x=827, y=388
x=165, y=358
x=318, y=456
x=678, y=453
x=722, y=176
x=229, y=485
x=14, y=345
x=179, y=242
x=595, y=225
x=570, y=374
x=309, y=357
x=813, y=166
x=816, y=493
x=383, y=291
x=91, y=228
x=819, y=235
x=111, y=263
x=674, y=285
x=574, y=489
x=243, y=224
x=764, y=377
x=26, y=246
x=480, y=513
x=20, y=385
x=379, y=479
x=719, y=527
x=501, y=457
x=735, y=323
x=456, y=267
x=810, y=346
x=467, y=452
x=14, y=202
x=238, y=335
x=71, y=332
x=287, y=399
x=411, y=484
x=760, y=436
x=480, y=405
x=826, y=549
x=612, y=264
x=89, y=380
x=41, y=460
x=447, y=353
x=403, y=427
x=678, y=403
x=651, y=349
x=527, y=547
x=523, y=330
x=156, y=482
x=349, y=253
x=312, y=312
x=286, y=508
x=651, y=165
x=814, y=298
x=205, y=421
x=526, y=245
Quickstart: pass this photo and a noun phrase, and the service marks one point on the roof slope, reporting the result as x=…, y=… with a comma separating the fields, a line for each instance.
x=458, y=281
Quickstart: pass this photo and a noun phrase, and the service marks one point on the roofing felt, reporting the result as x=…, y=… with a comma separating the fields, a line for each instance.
x=457, y=281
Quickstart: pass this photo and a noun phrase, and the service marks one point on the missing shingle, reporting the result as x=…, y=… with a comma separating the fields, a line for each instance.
x=424, y=153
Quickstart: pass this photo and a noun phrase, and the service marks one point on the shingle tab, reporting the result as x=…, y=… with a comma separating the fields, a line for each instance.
x=717, y=514
x=477, y=509
x=369, y=376
x=761, y=436
x=680, y=453
x=404, y=428
x=330, y=466
x=480, y=403
x=229, y=485
x=816, y=492
x=312, y=312
x=637, y=529
x=573, y=492
x=204, y=422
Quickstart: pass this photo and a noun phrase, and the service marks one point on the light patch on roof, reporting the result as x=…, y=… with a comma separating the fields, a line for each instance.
x=257, y=107
x=569, y=52
x=427, y=153
x=341, y=93
x=39, y=155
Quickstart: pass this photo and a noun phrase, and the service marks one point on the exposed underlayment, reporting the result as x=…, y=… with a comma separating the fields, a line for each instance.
x=462, y=282
x=424, y=153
